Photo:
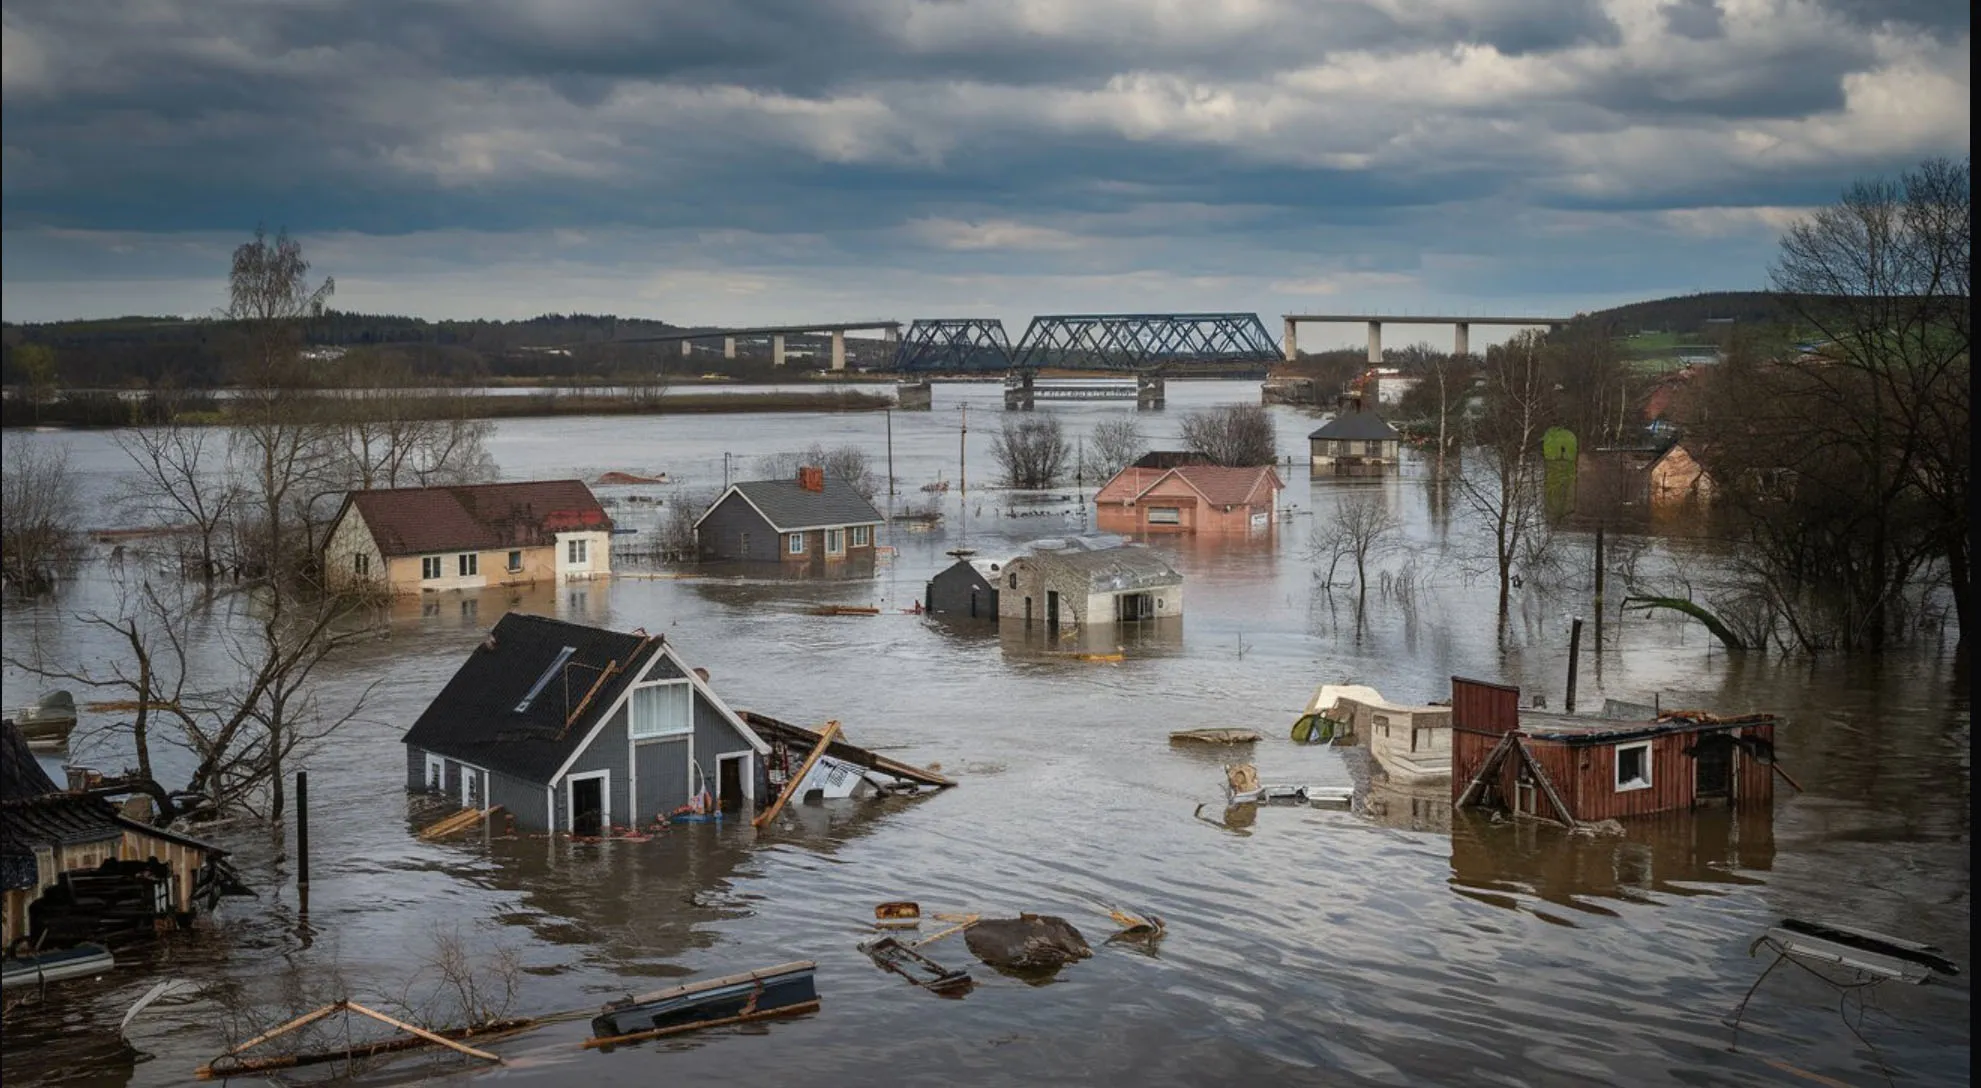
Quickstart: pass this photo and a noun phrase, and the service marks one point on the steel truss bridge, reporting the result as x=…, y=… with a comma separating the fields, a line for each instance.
x=1140, y=343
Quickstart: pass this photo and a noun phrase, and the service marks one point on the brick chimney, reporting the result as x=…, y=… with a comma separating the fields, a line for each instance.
x=811, y=478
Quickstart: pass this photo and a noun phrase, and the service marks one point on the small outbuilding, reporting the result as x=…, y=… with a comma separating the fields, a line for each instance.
x=1069, y=586
x=965, y=590
x=1355, y=439
x=579, y=729
x=1582, y=769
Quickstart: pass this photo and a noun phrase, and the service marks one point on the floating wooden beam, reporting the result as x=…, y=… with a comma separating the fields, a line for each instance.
x=679, y=1029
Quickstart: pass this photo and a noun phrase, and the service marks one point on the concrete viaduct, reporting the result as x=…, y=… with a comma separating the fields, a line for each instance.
x=1461, y=328
x=890, y=330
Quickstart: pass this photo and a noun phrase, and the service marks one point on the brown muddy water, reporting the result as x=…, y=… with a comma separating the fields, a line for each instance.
x=1388, y=945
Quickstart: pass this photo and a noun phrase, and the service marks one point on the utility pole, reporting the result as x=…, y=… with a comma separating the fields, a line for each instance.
x=890, y=452
x=963, y=455
x=725, y=470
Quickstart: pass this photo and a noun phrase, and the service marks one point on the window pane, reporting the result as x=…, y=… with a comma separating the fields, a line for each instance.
x=662, y=710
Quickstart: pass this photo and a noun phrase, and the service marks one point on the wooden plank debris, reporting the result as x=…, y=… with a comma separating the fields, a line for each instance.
x=457, y=822
x=771, y=729
x=791, y=785
x=679, y=1029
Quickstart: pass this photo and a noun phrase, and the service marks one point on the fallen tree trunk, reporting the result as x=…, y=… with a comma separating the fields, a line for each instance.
x=1690, y=608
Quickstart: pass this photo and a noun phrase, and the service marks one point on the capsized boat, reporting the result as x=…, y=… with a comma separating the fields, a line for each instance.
x=47, y=724
x=77, y=962
x=788, y=987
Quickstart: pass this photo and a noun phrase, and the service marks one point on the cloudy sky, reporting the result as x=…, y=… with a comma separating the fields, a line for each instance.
x=757, y=161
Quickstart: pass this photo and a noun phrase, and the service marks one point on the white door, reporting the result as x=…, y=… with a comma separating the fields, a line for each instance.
x=470, y=788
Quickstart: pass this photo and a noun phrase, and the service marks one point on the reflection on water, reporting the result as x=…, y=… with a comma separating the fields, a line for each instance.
x=1388, y=945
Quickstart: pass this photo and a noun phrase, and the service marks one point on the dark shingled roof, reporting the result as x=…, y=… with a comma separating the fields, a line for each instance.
x=474, y=717
x=789, y=507
x=33, y=813
x=527, y=514
x=1357, y=427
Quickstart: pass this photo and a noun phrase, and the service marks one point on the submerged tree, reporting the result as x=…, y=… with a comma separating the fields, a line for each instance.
x=39, y=538
x=1359, y=526
x=1032, y=452
x=1241, y=435
x=1117, y=444
x=1504, y=488
x=849, y=463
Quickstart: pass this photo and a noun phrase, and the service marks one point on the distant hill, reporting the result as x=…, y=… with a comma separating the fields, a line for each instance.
x=1689, y=315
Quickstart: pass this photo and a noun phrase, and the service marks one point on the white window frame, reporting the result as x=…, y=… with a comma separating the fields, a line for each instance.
x=633, y=698
x=835, y=542
x=435, y=763
x=577, y=553
x=515, y=560
x=467, y=564
x=468, y=779
x=1616, y=770
x=430, y=568
x=862, y=536
x=1165, y=515
x=794, y=543
x=604, y=801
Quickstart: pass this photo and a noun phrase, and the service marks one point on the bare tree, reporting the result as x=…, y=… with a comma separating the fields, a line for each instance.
x=1118, y=443
x=1442, y=390
x=849, y=463
x=1032, y=452
x=1360, y=526
x=392, y=433
x=1883, y=277
x=241, y=733
x=39, y=539
x=182, y=481
x=1504, y=489
x=677, y=522
x=282, y=449
x=1233, y=434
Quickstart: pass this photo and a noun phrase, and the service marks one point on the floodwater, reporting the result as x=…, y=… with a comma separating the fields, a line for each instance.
x=1393, y=944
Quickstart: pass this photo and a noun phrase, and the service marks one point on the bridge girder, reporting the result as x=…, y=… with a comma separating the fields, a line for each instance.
x=1142, y=342
x=952, y=344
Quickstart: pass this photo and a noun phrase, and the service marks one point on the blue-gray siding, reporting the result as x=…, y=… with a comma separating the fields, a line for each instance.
x=722, y=532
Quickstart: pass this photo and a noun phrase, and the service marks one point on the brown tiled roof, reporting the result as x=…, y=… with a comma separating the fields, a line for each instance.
x=1223, y=486
x=416, y=520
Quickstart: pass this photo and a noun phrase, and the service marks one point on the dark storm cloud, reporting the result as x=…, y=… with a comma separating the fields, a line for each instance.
x=896, y=129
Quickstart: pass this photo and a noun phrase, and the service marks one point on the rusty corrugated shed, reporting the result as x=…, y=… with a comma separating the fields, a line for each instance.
x=1484, y=707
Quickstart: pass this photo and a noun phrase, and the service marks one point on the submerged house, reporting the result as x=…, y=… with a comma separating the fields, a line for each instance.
x=74, y=868
x=579, y=729
x=966, y=589
x=426, y=539
x=1581, y=769
x=1188, y=498
x=1355, y=441
x=1069, y=586
x=1608, y=479
x=814, y=518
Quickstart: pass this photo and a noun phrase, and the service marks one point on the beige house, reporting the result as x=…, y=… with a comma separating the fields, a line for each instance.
x=428, y=539
x=1069, y=586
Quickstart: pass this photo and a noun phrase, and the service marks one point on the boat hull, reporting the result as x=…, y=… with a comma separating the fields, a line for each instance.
x=78, y=962
x=719, y=999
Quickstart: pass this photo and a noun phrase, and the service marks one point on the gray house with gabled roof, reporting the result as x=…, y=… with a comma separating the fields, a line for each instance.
x=1355, y=439
x=811, y=519
x=579, y=729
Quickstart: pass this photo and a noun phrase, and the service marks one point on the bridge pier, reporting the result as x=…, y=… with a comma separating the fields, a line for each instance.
x=1461, y=338
x=915, y=396
x=777, y=349
x=1149, y=390
x=729, y=347
x=839, y=349
x=1018, y=398
x=1292, y=341
x=1375, y=342
x=687, y=348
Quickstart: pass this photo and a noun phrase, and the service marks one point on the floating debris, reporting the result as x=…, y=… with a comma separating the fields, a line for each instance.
x=903, y=959
x=1028, y=942
x=785, y=990
x=900, y=914
x=1214, y=736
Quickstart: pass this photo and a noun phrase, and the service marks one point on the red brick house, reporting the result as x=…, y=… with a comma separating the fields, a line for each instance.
x=1188, y=499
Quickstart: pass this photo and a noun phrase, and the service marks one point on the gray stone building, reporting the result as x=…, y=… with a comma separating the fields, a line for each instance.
x=813, y=519
x=578, y=729
x=1071, y=586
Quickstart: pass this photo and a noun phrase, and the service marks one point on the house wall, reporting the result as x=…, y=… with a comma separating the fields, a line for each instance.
x=1674, y=779
x=184, y=861
x=1078, y=602
x=351, y=538
x=598, y=555
x=608, y=751
x=1326, y=452
x=720, y=533
x=1677, y=477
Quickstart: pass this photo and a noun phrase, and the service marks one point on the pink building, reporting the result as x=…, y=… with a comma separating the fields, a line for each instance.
x=1188, y=499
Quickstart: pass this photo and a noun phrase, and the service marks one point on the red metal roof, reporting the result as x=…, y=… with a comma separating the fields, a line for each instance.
x=417, y=520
